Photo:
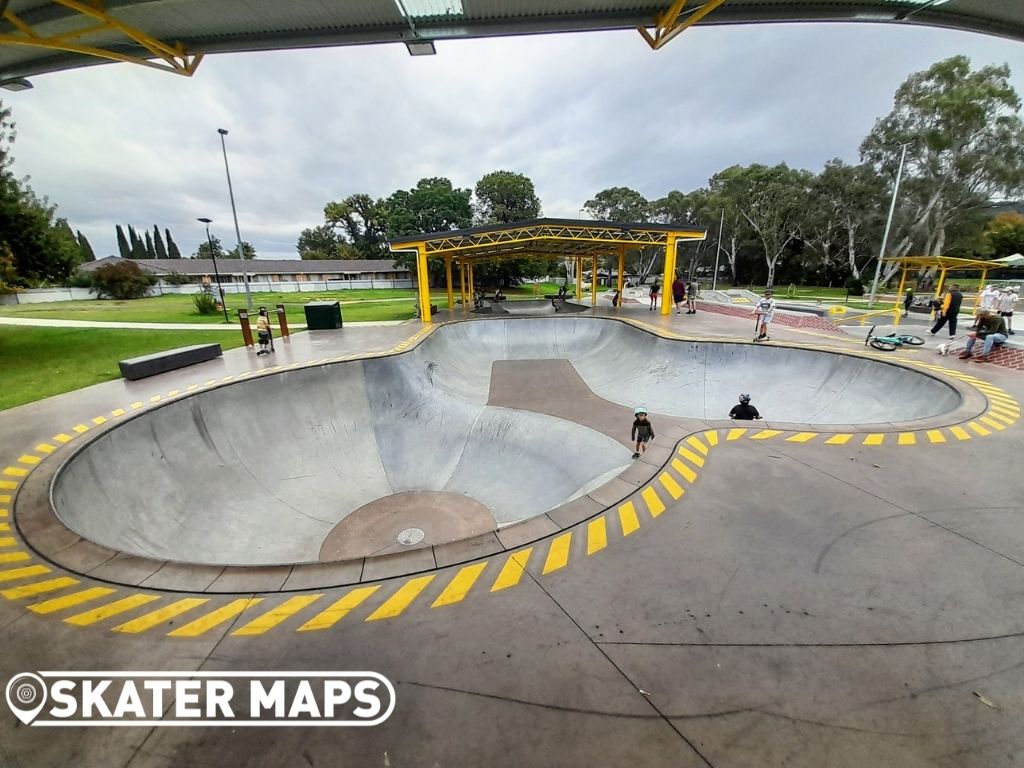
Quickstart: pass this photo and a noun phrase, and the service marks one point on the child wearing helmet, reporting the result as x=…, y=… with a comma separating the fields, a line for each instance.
x=744, y=411
x=765, y=311
x=266, y=340
x=642, y=431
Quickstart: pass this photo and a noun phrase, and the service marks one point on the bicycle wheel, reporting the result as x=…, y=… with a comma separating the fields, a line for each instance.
x=885, y=346
x=914, y=341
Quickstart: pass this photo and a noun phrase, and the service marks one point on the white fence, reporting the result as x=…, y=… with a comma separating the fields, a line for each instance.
x=41, y=295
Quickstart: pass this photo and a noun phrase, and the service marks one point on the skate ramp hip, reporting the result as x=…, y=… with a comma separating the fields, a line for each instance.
x=267, y=471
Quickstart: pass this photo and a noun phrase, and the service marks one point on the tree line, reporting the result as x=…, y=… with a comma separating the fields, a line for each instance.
x=964, y=141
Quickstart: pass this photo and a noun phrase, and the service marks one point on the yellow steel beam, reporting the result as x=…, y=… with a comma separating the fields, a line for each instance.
x=423, y=283
x=622, y=268
x=670, y=274
x=169, y=58
x=593, y=282
x=668, y=24
x=448, y=282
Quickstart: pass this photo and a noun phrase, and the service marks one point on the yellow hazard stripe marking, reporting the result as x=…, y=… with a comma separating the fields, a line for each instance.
x=992, y=423
x=696, y=443
x=874, y=438
x=8, y=485
x=38, y=588
x=8, y=541
x=692, y=457
x=14, y=557
x=736, y=434
x=15, y=471
x=558, y=553
x=45, y=448
x=628, y=518
x=63, y=438
x=512, y=571
x=673, y=488
x=764, y=434
x=69, y=601
x=99, y=420
x=597, y=535
x=29, y=459
x=275, y=616
x=111, y=609
x=159, y=616
x=653, y=501
x=801, y=437
x=712, y=437
x=959, y=433
x=936, y=436
x=460, y=585
x=840, y=439
x=906, y=438
x=12, y=574
x=80, y=428
x=214, y=618
x=339, y=609
x=1002, y=417
x=402, y=599
x=979, y=429
x=683, y=469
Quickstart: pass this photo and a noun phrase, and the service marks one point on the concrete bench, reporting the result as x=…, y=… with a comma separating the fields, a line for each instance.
x=161, y=362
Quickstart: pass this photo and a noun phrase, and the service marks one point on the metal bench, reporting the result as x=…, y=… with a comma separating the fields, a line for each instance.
x=161, y=362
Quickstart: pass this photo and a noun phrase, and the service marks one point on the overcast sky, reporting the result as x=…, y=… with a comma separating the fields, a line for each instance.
x=576, y=113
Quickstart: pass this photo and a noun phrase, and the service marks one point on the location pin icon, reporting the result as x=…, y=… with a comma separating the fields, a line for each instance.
x=26, y=695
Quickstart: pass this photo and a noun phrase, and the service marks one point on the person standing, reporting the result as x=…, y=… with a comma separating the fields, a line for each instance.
x=908, y=301
x=692, y=289
x=678, y=292
x=655, y=290
x=642, y=432
x=949, y=310
x=765, y=311
x=263, y=333
x=1007, y=301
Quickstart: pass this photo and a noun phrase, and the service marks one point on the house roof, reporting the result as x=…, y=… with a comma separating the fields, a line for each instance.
x=54, y=36
x=256, y=266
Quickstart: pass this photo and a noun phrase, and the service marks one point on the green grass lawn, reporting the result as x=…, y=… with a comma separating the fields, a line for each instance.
x=41, y=362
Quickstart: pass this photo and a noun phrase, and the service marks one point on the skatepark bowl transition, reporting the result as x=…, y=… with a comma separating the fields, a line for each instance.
x=483, y=425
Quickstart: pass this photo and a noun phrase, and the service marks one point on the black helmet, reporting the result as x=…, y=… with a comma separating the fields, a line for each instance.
x=744, y=398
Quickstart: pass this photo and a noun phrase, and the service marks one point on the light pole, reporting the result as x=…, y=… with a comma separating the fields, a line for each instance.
x=238, y=234
x=213, y=255
x=888, y=224
x=718, y=252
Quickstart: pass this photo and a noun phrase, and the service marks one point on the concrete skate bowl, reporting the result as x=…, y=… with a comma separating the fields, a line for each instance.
x=370, y=457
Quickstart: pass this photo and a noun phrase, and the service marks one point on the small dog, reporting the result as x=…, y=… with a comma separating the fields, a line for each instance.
x=943, y=349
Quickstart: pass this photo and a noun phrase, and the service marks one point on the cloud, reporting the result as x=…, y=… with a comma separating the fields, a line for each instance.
x=577, y=113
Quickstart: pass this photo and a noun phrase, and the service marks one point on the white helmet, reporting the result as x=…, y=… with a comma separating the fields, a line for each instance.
x=638, y=411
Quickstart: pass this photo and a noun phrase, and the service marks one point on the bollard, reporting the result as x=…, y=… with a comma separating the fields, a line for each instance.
x=282, y=321
x=243, y=318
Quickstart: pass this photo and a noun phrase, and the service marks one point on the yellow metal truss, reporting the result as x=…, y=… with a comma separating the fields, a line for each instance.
x=672, y=21
x=168, y=58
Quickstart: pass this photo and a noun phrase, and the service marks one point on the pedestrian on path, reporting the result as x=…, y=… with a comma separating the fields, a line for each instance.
x=908, y=301
x=1007, y=301
x=765, y=311
x=678, y=293
x=655, y=290
x=642, y=431
x=692, y=289
x=949, y=310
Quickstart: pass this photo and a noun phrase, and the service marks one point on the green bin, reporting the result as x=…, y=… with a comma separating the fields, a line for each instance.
x=323, y=315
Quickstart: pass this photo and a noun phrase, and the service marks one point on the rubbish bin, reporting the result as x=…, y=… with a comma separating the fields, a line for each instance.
x=323, y=315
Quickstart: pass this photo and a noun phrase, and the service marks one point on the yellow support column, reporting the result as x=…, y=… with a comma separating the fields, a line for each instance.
x=579, y=279
x=462, y=283
x=472, y=284
x=423, y=281
x=981, y=287
x=942, y=282
x=899, y=296
x=593, y=282
x=448, y=281
x=670, y=272
x=622, y=268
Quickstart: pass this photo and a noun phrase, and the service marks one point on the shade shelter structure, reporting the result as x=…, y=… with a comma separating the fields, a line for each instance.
x=943, y=264
x=583, y=241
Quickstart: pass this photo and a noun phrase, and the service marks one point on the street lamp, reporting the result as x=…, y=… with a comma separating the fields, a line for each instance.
x=238, y=234
x=888, y=224
x=213, y=255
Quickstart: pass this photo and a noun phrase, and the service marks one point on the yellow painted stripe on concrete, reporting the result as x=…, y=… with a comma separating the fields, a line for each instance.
x=684, y=470
x=906, y=438
x=674, y=489
x=874, y=438
x=45, y=448
x=159, y=616
x=5, y=526
x=29, y=459
x=692, y=457
x=712, y=437
x=80, y=428
x=3, y=512
x=174, y=393
x=840, y=439
x=38, y=587
x=698, y=444
x=123, y=605
x=628, y=519
x=117, y=412
x=155, y=399
x=339, y=609
x=801, y=437
x=1005, y=412
x=99, y=420
x=214, y=618
x=936, y=436
x=63, y=438
x=69, y=601
x=992, y=423
x=5, y=498
x=558, y=553
x=15, y=471
x=11, y=574
x=736, y=434
x=460, y=585
x=597, y=535
x=8, y=485
x=765, y=434
x=275, y=616
x=960, y=433
x=653, y=501
x=8, y=541
x=1007, y=408
x=191, y=387
x=979, y=429
x=402, y=599
x=512, y=571
x=14, y=557
x=1002, y=417
x=136, y=405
